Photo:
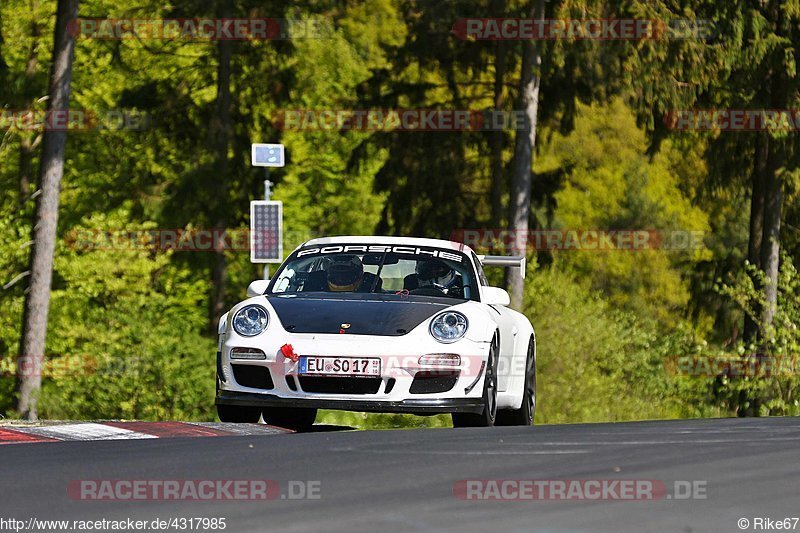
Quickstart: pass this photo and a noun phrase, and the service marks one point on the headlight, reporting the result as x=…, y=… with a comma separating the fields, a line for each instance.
x=449, y=326
x=250, y=320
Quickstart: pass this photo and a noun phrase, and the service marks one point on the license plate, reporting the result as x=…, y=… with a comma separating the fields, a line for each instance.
x=340, y=366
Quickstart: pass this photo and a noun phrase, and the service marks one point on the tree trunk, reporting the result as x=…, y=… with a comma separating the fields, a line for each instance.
x=37, y=301
x=759, y=177
x=524, y=146
x=220, y=140
x=498, y=184
x=770, y=241
x=780, y=95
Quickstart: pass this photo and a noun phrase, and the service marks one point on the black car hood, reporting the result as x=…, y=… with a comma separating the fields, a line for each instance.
x=356, y=314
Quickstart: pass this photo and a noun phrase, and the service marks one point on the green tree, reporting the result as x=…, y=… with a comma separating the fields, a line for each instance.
x=609, y=182
x=749, y=65
x=37, y=302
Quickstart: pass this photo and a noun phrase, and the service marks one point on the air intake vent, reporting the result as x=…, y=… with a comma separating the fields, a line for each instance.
x=432, y=382
x=257, y=377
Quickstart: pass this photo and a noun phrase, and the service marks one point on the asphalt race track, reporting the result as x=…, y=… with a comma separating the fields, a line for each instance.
x=404, y=480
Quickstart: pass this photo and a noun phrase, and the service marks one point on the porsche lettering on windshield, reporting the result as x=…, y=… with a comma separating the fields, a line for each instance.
x=379, y=249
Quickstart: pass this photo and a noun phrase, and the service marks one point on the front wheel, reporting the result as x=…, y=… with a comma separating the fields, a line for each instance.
x=524, y=415
x=238, y=413
x=294, y=418
x=485, y=418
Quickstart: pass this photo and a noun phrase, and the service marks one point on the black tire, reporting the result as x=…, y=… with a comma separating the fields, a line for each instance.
x=294, y=418
x=485, y=418
x=524, y=415
x=238, y=413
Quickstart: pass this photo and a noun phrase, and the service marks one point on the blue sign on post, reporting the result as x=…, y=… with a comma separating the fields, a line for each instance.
x=267, y=155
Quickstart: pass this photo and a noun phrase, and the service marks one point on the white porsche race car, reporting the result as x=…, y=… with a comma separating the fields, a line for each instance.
x=384, y=324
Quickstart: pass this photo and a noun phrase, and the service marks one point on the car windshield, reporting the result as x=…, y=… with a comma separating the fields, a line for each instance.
x=400, y=270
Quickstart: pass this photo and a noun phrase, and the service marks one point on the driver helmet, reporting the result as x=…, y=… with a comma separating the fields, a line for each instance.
x=345, y=273
x=435, y=273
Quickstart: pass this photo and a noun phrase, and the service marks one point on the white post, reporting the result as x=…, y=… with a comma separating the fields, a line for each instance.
x=267, y=196
x=267, y=155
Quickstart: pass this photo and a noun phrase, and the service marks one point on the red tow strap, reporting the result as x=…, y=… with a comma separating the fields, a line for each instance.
x=288, y=352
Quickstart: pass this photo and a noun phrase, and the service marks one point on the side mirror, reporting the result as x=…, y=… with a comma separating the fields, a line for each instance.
x=257, y=288
x=495, y=296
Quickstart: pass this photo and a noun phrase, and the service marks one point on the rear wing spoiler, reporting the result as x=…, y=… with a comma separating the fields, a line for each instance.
x=514, y=261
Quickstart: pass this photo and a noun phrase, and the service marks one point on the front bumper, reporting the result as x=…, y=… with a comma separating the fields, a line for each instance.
x=405, y=385
x=414, y=406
